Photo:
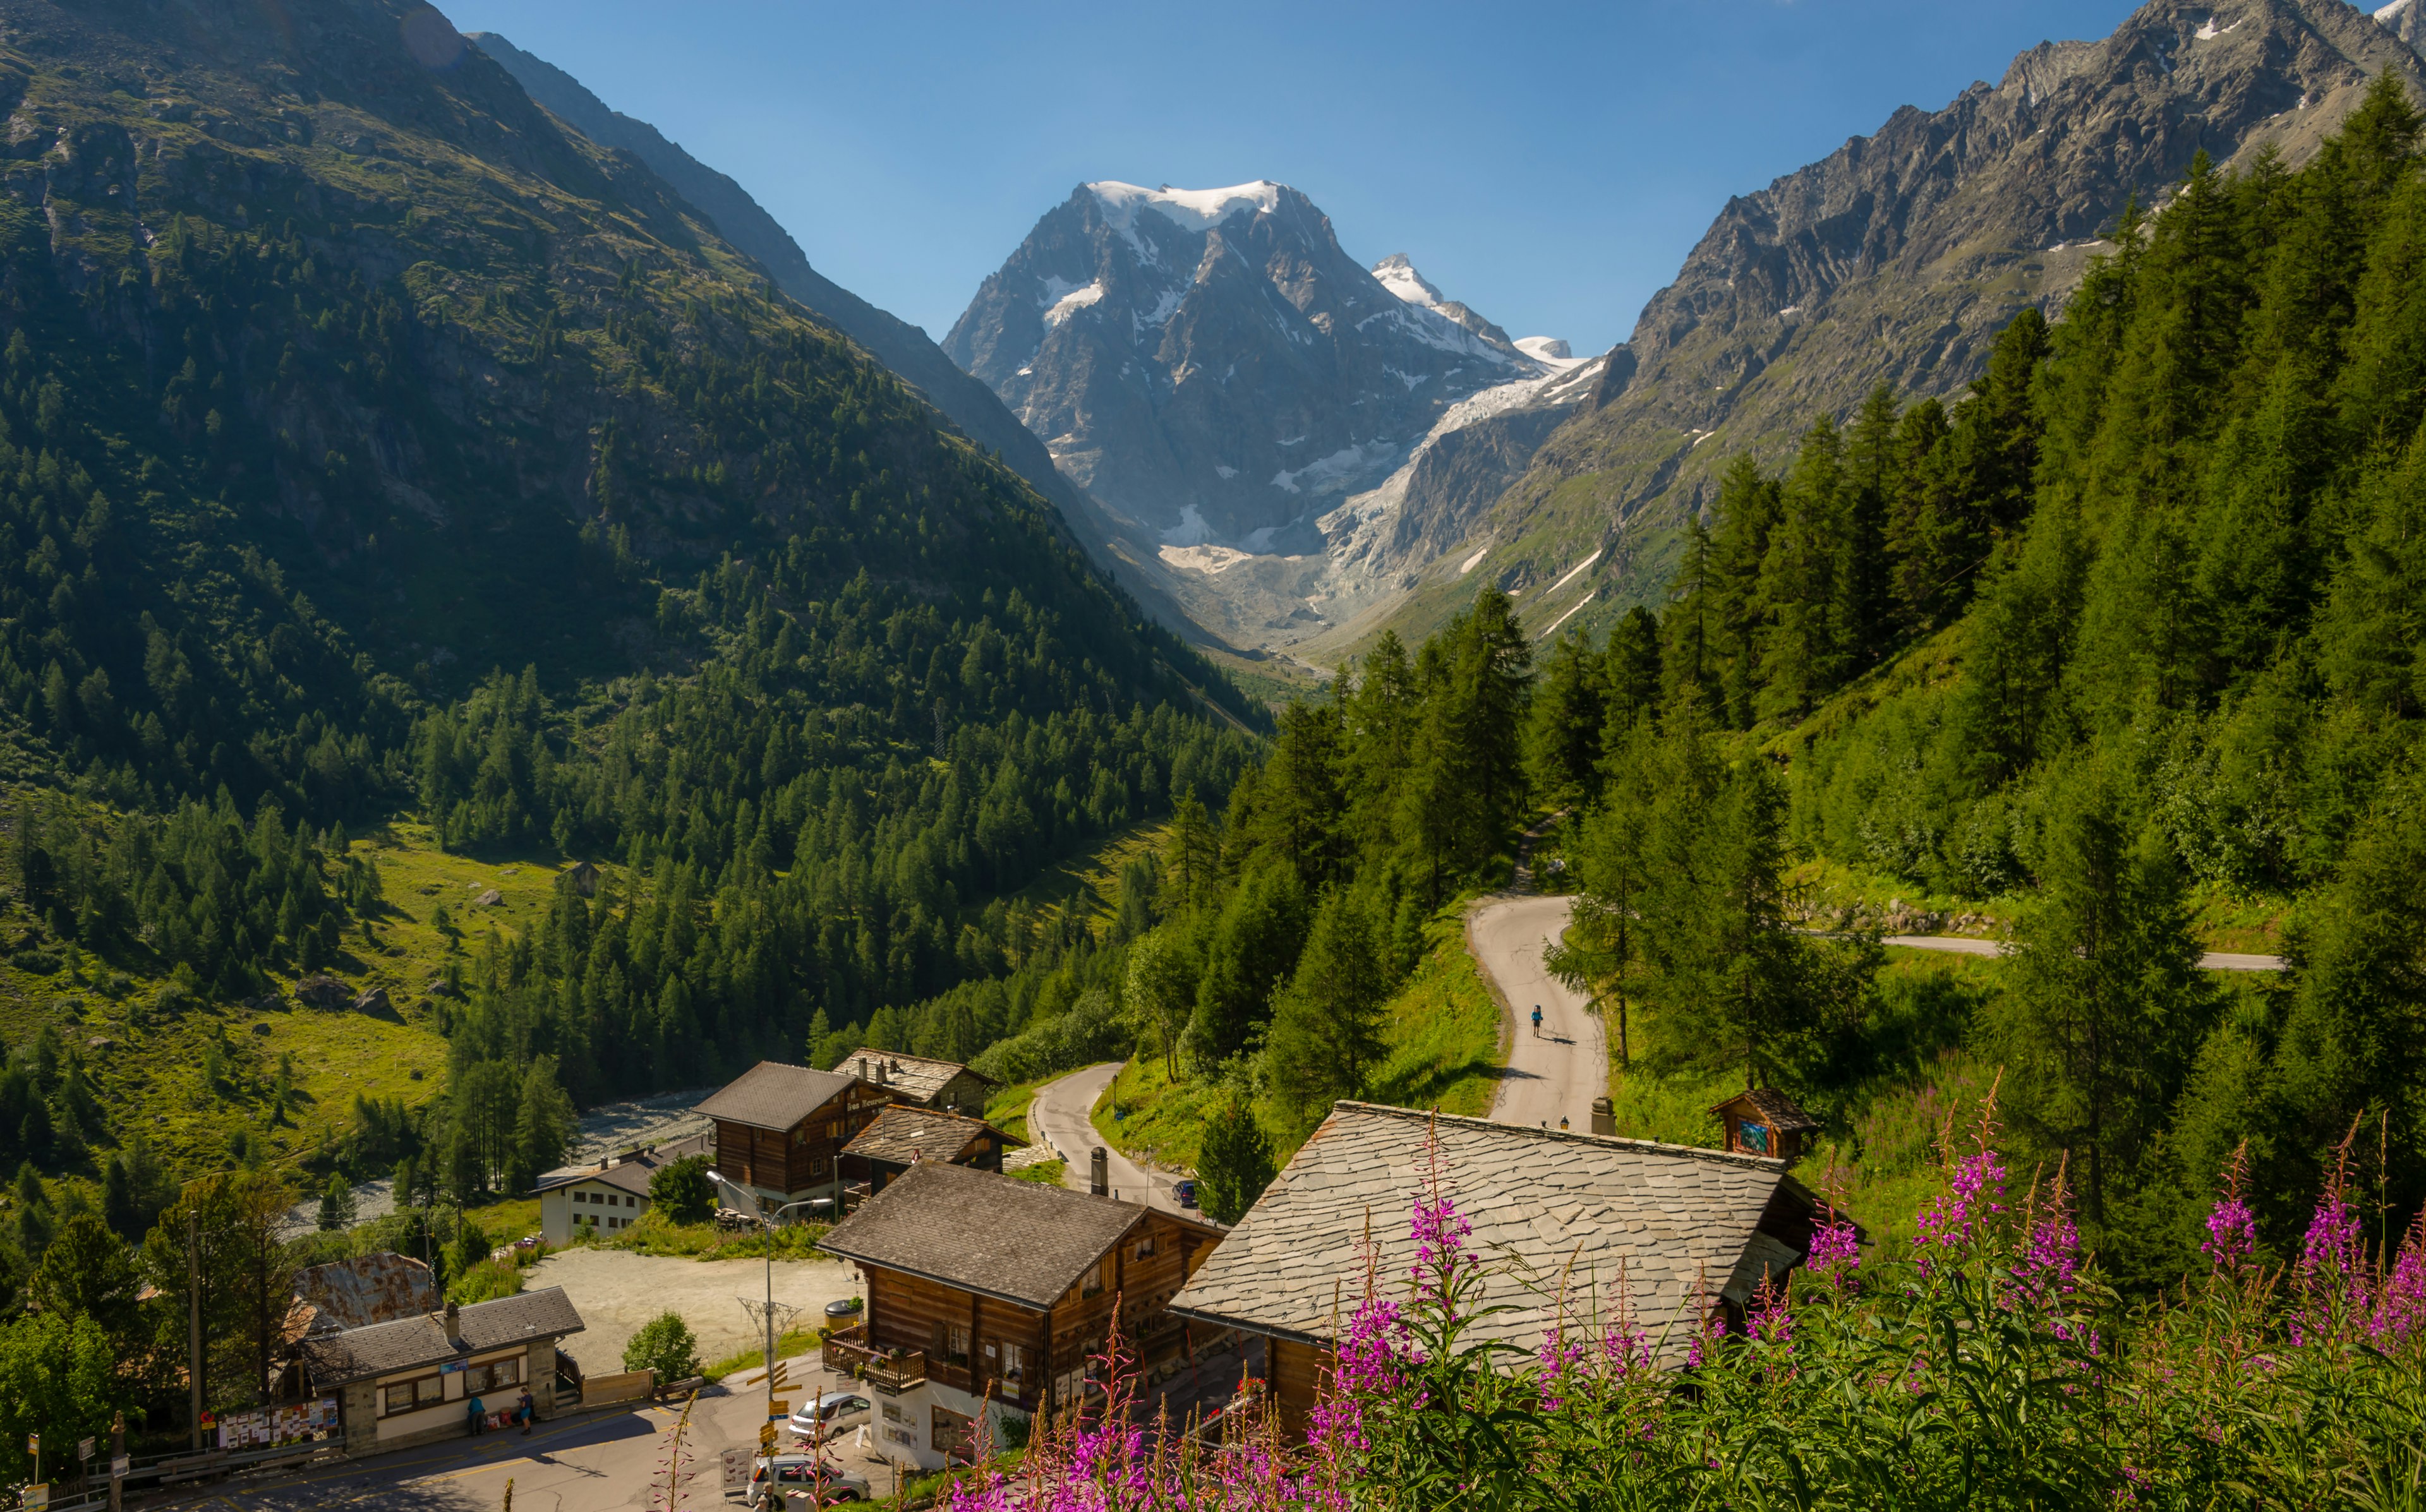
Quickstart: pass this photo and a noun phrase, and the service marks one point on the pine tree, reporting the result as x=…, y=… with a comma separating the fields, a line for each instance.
x=1326, y=1033
x=2106, y=1005
x=336, y=1204
x=1234, y=1161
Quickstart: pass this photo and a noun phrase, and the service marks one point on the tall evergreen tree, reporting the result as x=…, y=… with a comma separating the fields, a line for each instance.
x=1326, y=1033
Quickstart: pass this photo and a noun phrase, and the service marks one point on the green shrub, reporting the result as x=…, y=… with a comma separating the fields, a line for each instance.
x=682, y=1191
x=664, y=1345
x=485, y=1282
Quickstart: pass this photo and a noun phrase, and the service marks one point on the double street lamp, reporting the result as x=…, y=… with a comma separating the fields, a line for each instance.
x=750, y=1197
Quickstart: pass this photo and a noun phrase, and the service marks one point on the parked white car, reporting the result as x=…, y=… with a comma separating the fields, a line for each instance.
x=829, y=1415
x=802, y=1479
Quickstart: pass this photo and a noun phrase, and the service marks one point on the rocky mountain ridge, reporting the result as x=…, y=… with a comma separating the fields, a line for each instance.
x=1896, y=259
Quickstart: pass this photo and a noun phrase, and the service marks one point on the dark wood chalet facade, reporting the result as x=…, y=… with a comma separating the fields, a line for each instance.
x=780, y=1130
x=981, y=1287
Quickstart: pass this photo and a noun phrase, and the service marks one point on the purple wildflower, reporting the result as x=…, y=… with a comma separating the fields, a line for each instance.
x=2231, y=1234
x=1771, y=1322
x=1953, y=1223
x=2400, y=1310
x=2232, y=1228
x=1835, y=1257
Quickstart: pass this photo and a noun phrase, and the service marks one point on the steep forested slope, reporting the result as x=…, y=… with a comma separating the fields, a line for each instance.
x=2139, y=623
x=368, y=441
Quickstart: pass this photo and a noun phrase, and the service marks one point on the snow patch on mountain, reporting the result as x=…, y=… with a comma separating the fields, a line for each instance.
x=1398, y=275
x=1343, y=463
x=1067, y=301
x=1189, y=209
x=1546, y=349
x=1190, y=531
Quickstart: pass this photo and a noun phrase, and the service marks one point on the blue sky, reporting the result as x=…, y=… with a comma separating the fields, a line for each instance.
x=1550, y=164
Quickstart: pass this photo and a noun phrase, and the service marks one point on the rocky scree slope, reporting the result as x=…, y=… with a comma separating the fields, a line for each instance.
x=343, y=373
x=1220, y=375
x=1896, y=259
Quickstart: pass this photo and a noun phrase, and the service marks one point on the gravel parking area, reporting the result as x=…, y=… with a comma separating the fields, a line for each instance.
x=616, y=1293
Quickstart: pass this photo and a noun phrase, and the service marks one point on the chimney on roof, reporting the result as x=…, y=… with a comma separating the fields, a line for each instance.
x=897, y=1064
x=454, y=1323
x=1099, y=1173
x=1604, y=1117
x=879, y=1073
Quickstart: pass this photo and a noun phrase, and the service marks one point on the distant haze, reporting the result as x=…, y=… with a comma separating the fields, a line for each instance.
x=1548, y=164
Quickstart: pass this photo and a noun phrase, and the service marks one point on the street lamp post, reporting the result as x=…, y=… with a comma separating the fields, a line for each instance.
x=719, y=1180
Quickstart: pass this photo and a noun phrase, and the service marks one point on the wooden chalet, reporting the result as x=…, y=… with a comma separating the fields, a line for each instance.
x=984, y=1289
x=1762, y=1120
x=903, y=1136
x=930, y=1083
x=780, y=1130
x=1669, y=1229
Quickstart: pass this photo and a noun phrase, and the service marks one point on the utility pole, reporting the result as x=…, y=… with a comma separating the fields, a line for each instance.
x=194, y=1323
x=117, y=1460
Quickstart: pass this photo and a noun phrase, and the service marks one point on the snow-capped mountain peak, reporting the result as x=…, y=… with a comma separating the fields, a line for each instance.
x=1189, y=209
x=1400, y=277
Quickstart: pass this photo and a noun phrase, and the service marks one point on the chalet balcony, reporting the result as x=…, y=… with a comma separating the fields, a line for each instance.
x=849, y=1353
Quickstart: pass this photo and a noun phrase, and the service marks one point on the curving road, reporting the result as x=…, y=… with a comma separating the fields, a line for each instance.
x=1058, y=1117
x=1556, y=1074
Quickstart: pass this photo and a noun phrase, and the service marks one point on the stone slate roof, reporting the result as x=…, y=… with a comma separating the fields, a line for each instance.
x=421, y=1341
x=914, y=1076
x=1543, y=1204
x=905, y=1135
x=632, y=1173
x=1778, y=1110
x=771, y=1095
x=1017, y=1241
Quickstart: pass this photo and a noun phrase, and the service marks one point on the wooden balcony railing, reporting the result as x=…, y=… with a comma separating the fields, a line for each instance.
x=848, y=1352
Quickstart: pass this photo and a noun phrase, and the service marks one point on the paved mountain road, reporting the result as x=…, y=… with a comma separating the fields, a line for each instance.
x=1558, y=1074
x=1058, y=1117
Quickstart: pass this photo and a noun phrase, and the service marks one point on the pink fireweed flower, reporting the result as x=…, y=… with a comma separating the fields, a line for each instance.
x=2400, y=1310
x=1835, y=1257
x=2232, y=1228
x=1771, y=1322
x=2333, y=1245
x=1369, y=1366
x=2050, y=1258
x=1953, y=1223
x=1557, y=1357
x=2231, y=1234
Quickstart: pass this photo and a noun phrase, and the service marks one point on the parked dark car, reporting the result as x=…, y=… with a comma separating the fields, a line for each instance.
x=1185, y=1192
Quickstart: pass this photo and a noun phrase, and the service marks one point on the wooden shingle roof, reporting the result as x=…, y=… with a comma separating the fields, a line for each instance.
x=996, y=1235
x=1543, y=1205
x=905, y=1135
